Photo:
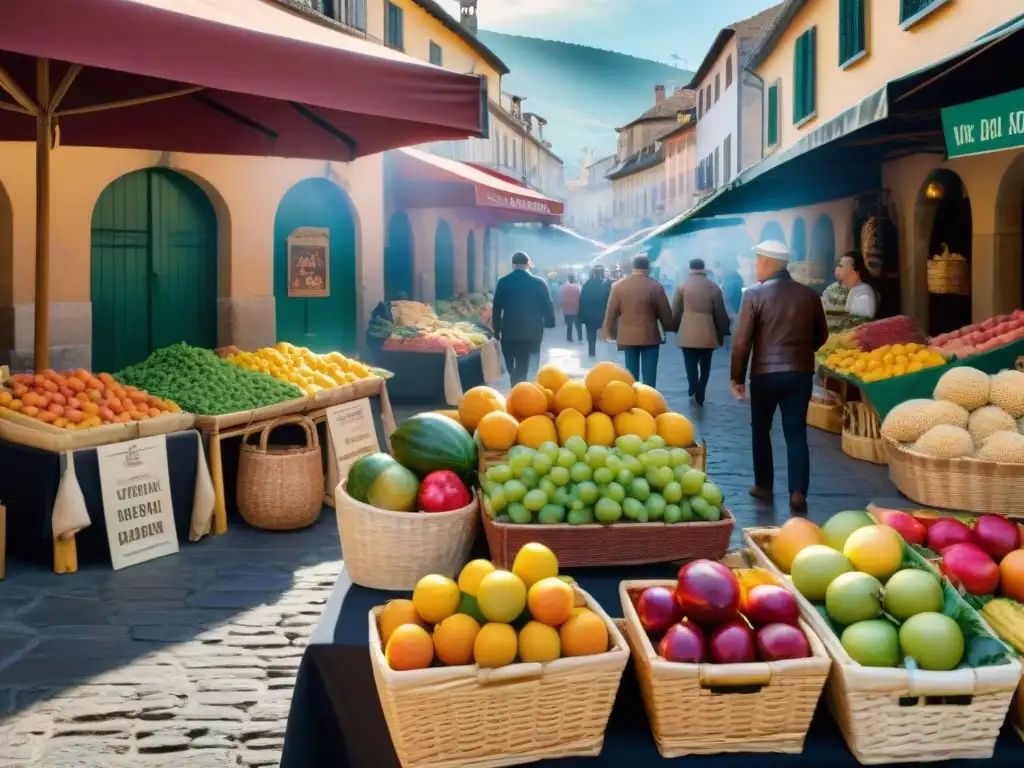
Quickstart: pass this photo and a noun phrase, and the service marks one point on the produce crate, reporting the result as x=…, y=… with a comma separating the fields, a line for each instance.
x=825, y=416
x=448, y=717
x=698, y=456
x=862, y=434
x=756, y=707
x=23, y=430
x=898, y=716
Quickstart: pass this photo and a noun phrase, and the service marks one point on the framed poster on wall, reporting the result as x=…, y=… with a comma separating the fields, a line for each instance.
x=309, y=263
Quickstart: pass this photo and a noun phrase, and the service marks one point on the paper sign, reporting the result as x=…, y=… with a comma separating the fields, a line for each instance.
x=353, y=434
x=136, y=488
x=309, y=263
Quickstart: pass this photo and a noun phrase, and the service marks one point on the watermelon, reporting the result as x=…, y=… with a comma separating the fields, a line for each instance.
x=380, y=481
x=429, y=442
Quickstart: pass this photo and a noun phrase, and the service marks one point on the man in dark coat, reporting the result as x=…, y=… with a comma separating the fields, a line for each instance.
x=522, y=310
x=593, y=303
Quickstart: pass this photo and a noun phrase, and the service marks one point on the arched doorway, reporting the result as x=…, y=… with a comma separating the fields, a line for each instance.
x=489, y=276
x=822, y=259
x=772, y=230
x=398, y=258
x=154, y=268
x=798, y=241
x=444, y=262
x=943, y=218
x=327, y=323
x=1009, y=249
x=471, y=279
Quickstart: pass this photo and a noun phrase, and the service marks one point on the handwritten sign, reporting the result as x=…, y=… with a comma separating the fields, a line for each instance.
x=353, y=434
x=985, y=125
x=309, y=270
x=136, y=488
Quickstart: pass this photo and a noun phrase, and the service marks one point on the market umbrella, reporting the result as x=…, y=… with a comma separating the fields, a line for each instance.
x=238, y=77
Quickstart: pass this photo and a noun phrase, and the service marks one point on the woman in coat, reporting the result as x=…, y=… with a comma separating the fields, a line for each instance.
x=702, y=323
x=593, y=303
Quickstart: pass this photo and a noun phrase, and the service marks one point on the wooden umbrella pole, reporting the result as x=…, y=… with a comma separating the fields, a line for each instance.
x=44, y=139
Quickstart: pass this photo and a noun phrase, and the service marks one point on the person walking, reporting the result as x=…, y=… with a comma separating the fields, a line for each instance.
x=570, y=296
x=702, y=323
x=593, y=303
x=521, y=311
x=781, y=325
x=639, y=304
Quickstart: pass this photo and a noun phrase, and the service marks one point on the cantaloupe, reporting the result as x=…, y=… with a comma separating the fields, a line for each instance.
x=964, y=386
x=1003, y=447
x=1008, y=392
x=988, y=420
x=945, y=442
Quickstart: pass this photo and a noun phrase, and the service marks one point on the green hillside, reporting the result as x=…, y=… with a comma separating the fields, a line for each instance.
x=584, y=93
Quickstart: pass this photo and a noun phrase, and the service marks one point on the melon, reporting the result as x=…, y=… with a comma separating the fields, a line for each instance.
x=428, y=442
x=380, y=481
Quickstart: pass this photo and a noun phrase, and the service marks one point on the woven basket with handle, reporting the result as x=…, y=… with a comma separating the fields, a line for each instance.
x=281, y=488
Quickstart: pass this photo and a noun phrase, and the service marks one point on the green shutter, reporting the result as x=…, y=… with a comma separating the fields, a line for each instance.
x=436, y=55
x=798, y=78
x=851, y=29
x=773, y=115
x=811, y=51
x=395, y=37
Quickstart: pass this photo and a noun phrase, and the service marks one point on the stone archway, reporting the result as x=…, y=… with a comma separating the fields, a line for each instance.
x=822, y=257
x=399, y=266
x=444, y=262
x=471, y=272
x=772, y=230
x=798, y=240
x=6, y=275
x=1008, y=248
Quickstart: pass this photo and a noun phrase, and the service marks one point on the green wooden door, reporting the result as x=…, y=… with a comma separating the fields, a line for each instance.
x=471, y=281
x=154, y=268
x=444, y=263
x=322, y=324
x=398, y=258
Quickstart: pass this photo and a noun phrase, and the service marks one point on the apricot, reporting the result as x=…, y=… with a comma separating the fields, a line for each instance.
x=38, y=380
x=96, y=384
x=74, y=415
x=47, y=417
x=91, y=408
x=115, y=406
x=30, y=410
x=95, y=395
x=137, y=397
x=61, y=422
x=123, y=418
x=154, y=412
x=20, y=390
x=51, y=375
x=106, y=378
x=55, y=409
x=82, y=375
x=22, y=379
x=16, y=405
x=59, y=399
x=6, y=398
x=76, y=384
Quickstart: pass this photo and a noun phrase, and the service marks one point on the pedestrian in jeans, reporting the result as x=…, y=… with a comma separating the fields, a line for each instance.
x=521, y=311
x=593, y=303
x=570, y=296
x=781, y=325
x=639, y=304
x=702, y=323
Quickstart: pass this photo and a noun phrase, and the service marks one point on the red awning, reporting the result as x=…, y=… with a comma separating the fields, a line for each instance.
x=248, y=77
x=422, y=180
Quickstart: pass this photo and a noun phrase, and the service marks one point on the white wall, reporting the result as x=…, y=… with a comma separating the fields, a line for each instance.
x=722, y=119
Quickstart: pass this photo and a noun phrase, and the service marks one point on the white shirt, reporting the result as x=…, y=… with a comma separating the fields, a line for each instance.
x=862, y=301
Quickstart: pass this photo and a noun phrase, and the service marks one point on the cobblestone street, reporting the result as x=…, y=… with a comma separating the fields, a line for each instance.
x=190, y=660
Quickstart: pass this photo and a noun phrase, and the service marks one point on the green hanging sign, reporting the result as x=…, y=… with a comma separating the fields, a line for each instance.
x=985, y=125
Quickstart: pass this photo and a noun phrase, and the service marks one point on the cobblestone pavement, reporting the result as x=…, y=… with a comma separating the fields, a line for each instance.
x=190, y=660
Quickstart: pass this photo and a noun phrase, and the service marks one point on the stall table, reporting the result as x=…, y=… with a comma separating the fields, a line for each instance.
x=437, y=377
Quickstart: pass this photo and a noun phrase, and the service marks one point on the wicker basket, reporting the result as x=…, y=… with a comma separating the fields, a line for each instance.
x=862, y=438
x=698, y=456
x=281, y=488
x=450, y=717
x=759, y=707
x=895, y=716
x=826, y=416
x=967, y=485
x=949, y=277
x=394, y=550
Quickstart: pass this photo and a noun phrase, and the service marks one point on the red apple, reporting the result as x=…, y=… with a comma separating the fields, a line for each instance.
x=996, y=535
x=969, y=566
x=683, y=642
x=732, y=643
x=708, y=591
x=768, y=604
x=910, y=528
x=776, y=642
x=658, y=609
x=947, y=532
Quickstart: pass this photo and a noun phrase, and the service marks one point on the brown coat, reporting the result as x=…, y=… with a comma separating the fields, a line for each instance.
x=698, y=313
x=638, y=303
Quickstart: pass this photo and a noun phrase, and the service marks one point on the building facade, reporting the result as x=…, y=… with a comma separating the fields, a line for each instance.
x=681, y=165
x=588, y=198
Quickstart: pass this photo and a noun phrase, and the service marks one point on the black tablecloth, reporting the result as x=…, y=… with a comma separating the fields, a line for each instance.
x=30, y=477
x=419, y=376
x=336, y=718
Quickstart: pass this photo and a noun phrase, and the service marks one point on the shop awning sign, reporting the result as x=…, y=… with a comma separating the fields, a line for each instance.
x=987, y=125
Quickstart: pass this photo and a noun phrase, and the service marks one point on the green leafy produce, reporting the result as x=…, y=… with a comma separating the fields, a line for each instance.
x=202, y=383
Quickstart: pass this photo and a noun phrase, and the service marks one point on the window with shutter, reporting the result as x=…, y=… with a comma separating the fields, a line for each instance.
x=395, y=32
x=852, y=43
x=718, y=86
x=352, y=12
x=700, y=104
x=912, y=11
x=728, y=71
x=727, y=158
x=804, y=80
x=773, y=115
x=436, y=54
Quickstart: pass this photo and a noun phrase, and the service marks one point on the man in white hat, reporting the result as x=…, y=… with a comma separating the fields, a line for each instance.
x=781, y=325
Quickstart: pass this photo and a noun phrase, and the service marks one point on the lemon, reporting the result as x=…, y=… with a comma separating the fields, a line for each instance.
x=539, y=643
x=436, y=598
x=495, y=645
x=472, y=574
x=535, y=562
x=502, y=596
x=454, y=638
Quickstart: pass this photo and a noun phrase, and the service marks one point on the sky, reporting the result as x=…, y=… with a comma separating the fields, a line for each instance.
x=652, y=29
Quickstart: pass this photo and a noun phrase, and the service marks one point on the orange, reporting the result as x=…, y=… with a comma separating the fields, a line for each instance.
x=454, y=638
x=497, y=431
x=575, y=395
x=1011, y=575
x=569, y=423
x=584, y=635
x=539, y=643
x=675, y=429
x=649, y=399
x=796, y=534
x=395, y=614
x=537, y=430
x=550, y=395
x=476, y=403
x=550, y=601
x=618, y=397
x=550, y=377
x=410, y=647
x=602, y=374
x=635, y=421
x=525, y=400
x=876, y=550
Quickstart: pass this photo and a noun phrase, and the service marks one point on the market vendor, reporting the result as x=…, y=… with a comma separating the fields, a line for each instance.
x=851, y=271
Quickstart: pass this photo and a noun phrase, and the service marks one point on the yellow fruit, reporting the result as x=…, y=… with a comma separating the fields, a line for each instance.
x=876, y=550
x=539, y=643
x=618, y=397
x=495, y=646
x=501, y=596
x=436, y=598
x=535, y=562
x=796, y=535
x=550, y=377
x=498, y=431
x=574, y=394
x=550, y=601
x=472, y=574
x=601, y=374
x=537, y=430
x=649, y=399
x=453, y=415
x=584, y=634
x=570, y=423
x=395, y=614
x=600, y=430
x=551, y=400
x=675, y=429
x=635, y=422
x=526, y=400
x=454, y=638
x=410, y=647
x=477, y=403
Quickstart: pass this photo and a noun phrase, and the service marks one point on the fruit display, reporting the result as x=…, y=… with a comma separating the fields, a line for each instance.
x=309, y=372
x=202, y=383
x=633, y=481
x=978, y=338
x=415, y=327
x=836, y=346
x=888, y=331
x=492, y=618
x=468, y=307
x=429, y=442
x=972, y=415
x=884, y=362
x=80, y=399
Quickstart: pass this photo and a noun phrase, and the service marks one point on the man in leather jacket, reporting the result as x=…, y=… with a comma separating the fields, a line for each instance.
x=781, y=325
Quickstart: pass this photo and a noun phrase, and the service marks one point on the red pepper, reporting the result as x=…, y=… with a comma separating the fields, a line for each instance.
x=442, y=491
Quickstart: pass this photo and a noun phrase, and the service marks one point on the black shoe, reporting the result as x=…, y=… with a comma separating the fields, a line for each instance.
x=764, y=494
x=798, y=503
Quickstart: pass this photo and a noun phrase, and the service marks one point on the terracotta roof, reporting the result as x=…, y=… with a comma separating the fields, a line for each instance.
x=680, y=101
x=639, y=161
x=746, y=31
x=675, y=130
x=782, y=20
x=439, y=13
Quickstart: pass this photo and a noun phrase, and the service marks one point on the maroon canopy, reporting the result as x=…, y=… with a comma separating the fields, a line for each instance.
x=250, y=77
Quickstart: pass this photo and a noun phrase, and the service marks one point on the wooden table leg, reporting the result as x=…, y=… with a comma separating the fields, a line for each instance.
x=220, y=510
x=65, y=555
